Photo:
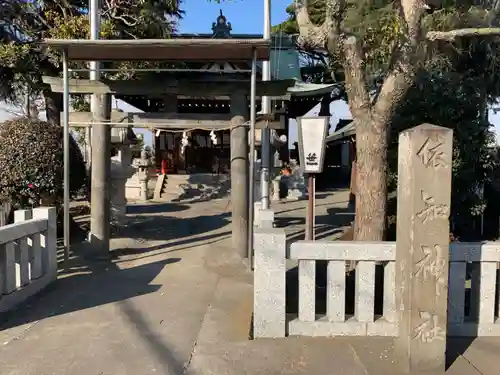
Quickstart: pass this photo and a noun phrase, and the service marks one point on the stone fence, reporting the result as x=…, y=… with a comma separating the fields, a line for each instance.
x=423, y=284
x=28, y=255
x=270, y=319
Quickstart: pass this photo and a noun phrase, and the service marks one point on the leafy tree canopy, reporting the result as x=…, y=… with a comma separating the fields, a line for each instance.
x=377, y=27
x=397, y=75
x=23, y=22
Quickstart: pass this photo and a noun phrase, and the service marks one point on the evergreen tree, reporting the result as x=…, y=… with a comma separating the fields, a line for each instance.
x=382, y=47
x=24, y=22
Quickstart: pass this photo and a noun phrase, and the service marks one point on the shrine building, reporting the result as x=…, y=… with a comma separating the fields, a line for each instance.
x=207, y=147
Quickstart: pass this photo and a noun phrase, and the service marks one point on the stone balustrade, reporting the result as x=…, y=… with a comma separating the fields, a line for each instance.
x=28, y=255
x=478, y=291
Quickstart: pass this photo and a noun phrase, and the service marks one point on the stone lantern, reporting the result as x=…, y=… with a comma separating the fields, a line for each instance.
x=121, y=169
x=143, y=164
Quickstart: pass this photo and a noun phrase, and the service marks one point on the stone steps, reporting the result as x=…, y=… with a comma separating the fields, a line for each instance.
x=192, y=186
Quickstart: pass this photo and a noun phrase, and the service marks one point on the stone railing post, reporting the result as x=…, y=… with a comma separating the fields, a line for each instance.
x=48, y=241
x=269, y=310
x=23, y=254
x=424, y=194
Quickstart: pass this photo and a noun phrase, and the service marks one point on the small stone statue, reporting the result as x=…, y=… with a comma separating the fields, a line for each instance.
x=143, y=165
x=221, y=28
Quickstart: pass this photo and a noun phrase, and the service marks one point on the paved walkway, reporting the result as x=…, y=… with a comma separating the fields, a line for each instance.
x=175, y=300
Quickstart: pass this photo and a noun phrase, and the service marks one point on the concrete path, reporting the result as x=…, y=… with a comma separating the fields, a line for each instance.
x=139, y=314
x=175, y=300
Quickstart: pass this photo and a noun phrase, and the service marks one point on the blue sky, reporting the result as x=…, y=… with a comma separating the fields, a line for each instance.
x=246, y=16
x=245, y=19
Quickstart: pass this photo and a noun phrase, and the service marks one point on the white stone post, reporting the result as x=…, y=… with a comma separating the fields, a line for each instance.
x=269, y=283
x=48, y=240
x=23, y=267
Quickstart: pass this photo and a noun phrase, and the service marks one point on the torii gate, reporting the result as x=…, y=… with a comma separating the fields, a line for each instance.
x=171, y=50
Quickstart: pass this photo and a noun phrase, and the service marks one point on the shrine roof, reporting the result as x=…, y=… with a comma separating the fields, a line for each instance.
x=301, y=88
x=277, y=89
x=177, y=49
x=344, y=132
x=277, y=40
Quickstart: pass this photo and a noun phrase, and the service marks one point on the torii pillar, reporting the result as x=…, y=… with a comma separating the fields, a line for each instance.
x=100, y=203
x=239, y=173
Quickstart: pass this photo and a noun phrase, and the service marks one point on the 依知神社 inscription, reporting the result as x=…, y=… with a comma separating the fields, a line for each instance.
x=431, y=153
x=432, y=210
x=428, y=330
x=431, y=264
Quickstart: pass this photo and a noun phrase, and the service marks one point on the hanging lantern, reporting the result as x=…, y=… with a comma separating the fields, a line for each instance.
x=312, y=133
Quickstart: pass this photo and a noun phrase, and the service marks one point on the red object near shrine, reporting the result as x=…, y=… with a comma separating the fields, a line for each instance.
x=163, y=166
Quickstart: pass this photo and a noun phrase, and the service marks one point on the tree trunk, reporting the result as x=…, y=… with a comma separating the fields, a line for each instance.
x=53, y=106
x=371, y=179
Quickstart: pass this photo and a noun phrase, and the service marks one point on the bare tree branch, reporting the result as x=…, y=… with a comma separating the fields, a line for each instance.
x=120, y=10
x=411, y=13
x=452, y=35
x=310, y=34
x=355, y=79
x=330, y=35
x=403, y=70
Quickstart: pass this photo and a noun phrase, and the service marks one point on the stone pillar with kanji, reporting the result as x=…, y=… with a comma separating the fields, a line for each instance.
x=424, y=194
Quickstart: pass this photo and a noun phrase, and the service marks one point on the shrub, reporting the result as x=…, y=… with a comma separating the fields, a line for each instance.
x=32, y=164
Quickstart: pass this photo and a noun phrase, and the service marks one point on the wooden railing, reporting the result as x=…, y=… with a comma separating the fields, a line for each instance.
x=28, y=255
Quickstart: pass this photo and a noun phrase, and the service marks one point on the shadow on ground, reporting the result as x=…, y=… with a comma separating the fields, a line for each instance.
x=155, y=208
x=171, y=247
x=98, y=284
x=91, y=281
x=205, y=187
x=103, y=284
x=152, y=227
x=335, y=216
x=327, y=226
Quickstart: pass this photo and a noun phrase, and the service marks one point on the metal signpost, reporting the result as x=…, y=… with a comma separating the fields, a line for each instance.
x=266, y=110
x=312, y=132
x=251, y=172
